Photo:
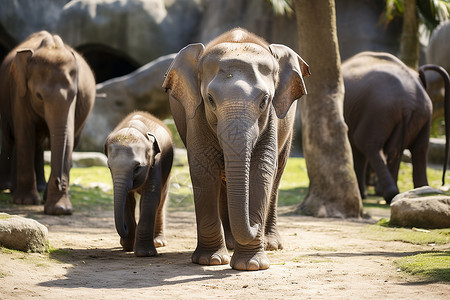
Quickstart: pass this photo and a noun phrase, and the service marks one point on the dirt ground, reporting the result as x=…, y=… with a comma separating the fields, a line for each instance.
x=323, y=258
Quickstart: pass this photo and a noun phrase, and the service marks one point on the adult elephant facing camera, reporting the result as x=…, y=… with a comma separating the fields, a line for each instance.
x=47, y=91
x=233, y=105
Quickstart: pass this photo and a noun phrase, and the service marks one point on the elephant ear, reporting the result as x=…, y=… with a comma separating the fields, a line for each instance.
x=182, y=78
x=290, y=84
x=19, y=69
x=152, y=138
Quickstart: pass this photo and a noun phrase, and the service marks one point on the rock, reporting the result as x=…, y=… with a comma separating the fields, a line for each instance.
x=22, y=234
x=424, y=207
x=141, y=29
x=22, y=18
x=117, y=97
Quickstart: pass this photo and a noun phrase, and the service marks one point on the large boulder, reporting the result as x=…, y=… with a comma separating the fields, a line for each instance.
x=22, y=18
x=117, y=97
x=423, y=207
x=22, y=234
x=140, y=29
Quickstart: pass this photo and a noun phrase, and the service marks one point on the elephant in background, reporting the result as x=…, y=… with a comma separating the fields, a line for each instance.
x=438, y=53
x=233, y=103
x=387, y=110
x=140, y=156
x=47, y=91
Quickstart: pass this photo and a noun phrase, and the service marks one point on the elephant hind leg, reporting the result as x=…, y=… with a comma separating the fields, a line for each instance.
x=360, y=166
x=385, y=180
x=419, y=157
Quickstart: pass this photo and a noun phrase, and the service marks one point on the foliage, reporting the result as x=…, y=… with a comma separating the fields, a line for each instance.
x=431, y=12
x=282, y=7
x=434, y=266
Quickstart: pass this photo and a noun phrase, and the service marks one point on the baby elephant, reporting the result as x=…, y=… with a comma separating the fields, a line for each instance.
x=140, y=156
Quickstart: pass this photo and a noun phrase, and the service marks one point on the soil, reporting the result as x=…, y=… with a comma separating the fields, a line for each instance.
x=322, y=258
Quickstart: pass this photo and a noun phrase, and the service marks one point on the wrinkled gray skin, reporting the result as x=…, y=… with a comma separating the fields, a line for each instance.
x=233, y=105
x=387, y=110
x=47, y=91
x=140, y=155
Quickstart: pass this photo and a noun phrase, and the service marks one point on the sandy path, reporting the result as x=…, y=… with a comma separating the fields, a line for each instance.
x=322, y=259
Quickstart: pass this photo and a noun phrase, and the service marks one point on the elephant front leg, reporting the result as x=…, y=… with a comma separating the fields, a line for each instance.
x=211, y=248
x=57, y=201
x=25, y=189
x=144, y=243
x=6, y=162
x=251, y=257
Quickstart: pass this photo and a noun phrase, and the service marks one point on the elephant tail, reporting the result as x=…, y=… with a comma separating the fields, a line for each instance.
x=441, y=71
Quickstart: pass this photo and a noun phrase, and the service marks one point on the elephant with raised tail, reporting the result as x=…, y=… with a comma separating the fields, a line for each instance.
x=140, y=155
x=387, y=110
x=233, y=102
x=46, y=92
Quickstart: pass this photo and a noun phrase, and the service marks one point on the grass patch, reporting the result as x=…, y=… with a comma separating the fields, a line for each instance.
x=92, y=187
x=382, y=232
x=434, y=266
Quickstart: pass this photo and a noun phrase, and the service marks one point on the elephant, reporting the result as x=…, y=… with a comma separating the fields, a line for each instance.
x=140, y=156
x=233, y=103
x=47, y=91
x=387, y=110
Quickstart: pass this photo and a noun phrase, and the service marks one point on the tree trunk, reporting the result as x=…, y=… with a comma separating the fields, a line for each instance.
x=409, y=44
x=333, y=190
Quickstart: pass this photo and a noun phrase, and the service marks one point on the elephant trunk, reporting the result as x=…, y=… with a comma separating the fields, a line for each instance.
x=61, y=146
x=122, y=185
x=237, y=141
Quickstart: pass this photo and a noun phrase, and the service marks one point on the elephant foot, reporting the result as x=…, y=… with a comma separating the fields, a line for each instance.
x=31, y=198
x=210, y=258
x=63, y=206
x=389, y=195
x=272, y=241
x=160, y=241
x=249, y=260
x=127, y=244
x=142, y=251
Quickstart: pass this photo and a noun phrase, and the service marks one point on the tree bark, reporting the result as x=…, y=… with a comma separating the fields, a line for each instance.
x=333, y=190
x=409, y=44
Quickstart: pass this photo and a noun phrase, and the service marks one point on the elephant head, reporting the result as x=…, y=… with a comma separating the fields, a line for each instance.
x=131, y=155
x=47, y=77
x=237, y=84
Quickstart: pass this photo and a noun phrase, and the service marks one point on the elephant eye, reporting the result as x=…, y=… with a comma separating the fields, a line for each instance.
x=39, y=96
x=264, y=102
x=211, y=101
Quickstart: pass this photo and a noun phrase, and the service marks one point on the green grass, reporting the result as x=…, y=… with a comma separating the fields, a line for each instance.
x=93, y=186
x=383, y=232
x=433, y=266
